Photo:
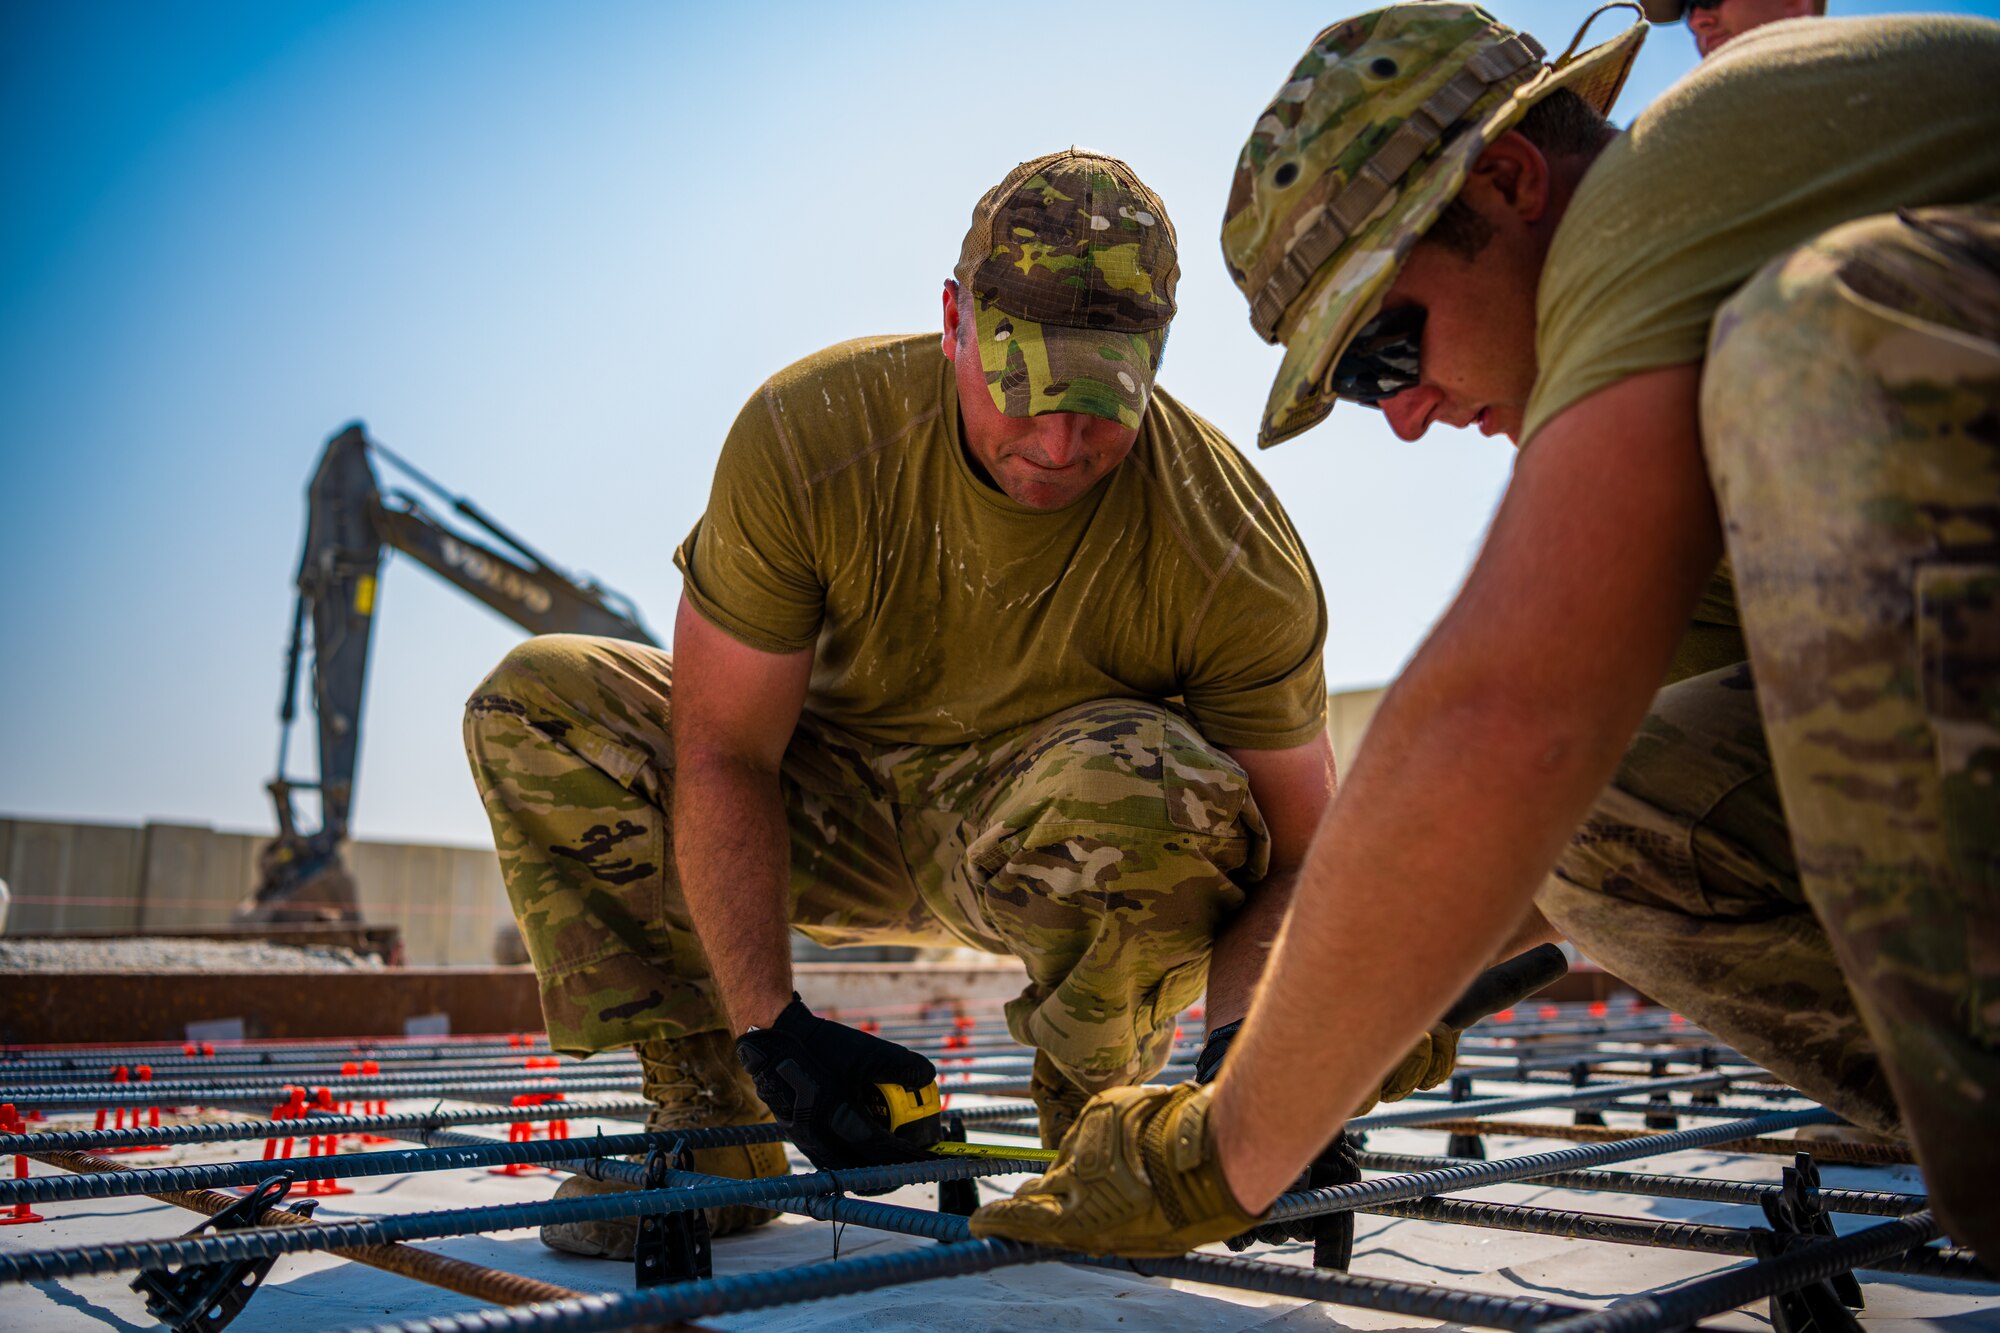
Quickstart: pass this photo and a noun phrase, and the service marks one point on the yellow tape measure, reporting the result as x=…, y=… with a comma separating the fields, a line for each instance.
x=993, y=1150
x=900, y=1107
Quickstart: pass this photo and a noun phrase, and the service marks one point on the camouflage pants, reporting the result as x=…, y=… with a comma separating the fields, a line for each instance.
x=1810, y=865
x=1104, y=847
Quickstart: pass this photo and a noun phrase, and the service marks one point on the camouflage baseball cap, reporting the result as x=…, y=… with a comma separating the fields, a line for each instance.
x=1364, y=145
x=1071, y=267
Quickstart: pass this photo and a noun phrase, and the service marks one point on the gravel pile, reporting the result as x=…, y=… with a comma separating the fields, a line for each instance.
x=162, y=954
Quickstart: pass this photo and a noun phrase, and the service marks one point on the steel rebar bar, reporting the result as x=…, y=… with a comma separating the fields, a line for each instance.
x=1683, y=1306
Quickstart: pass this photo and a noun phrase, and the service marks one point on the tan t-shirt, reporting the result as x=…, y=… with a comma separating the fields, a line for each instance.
x=846, y=518
x=1788, y=131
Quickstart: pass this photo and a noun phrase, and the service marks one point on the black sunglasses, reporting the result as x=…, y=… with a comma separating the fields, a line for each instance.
x=1383, y=359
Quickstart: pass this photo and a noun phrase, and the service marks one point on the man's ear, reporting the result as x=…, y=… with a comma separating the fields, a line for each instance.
x=1512, y=176
x=951, y=319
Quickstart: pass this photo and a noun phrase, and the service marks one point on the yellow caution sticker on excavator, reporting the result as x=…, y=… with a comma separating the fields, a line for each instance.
x=364, y=595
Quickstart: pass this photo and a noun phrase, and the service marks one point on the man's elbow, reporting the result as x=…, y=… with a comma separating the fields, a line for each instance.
x=707, y=764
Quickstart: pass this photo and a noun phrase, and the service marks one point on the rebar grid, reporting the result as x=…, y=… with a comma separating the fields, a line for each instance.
x=1579, y=1053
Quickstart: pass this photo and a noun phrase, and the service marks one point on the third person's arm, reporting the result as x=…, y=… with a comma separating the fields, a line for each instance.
x=1479, y=764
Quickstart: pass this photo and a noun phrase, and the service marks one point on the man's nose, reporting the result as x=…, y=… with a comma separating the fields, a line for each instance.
x=1059, y=437
x=1407, y=411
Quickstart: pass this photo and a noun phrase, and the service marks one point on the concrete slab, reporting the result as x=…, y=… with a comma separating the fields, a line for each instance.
x=321, y=1292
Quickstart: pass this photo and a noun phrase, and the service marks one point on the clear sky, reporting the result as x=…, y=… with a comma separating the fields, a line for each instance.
x=546, y=251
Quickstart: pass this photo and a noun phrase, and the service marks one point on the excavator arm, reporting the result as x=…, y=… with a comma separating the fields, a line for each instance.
x=350, y=520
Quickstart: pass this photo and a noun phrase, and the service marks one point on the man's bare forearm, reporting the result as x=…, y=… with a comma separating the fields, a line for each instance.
x=1244, y=946
x=1463, y=825
x=1485, y=755
x=732, y=848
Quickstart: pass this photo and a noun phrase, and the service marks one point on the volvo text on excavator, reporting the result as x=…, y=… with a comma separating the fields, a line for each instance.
x=349, y=520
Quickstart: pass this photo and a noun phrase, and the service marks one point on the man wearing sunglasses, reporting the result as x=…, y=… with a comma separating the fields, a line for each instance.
x=1706, y=342
x=1714, y=22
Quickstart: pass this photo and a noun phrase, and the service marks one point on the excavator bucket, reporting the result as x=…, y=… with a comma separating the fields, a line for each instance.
x=293, y=889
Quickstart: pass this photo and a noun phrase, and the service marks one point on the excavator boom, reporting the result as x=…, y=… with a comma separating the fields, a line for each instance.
x=349, y=523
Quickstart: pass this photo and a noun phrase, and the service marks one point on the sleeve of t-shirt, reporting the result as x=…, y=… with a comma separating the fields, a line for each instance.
x=1605, y=320
x=1258, y=680
x=748, y=567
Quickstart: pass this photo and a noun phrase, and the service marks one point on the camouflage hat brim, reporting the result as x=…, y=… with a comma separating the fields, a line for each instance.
x=1345, y=294
x=1032, y=367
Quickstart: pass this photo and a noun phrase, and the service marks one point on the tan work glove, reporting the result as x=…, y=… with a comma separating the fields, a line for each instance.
x=1136, y=1176
x=1428, y=1063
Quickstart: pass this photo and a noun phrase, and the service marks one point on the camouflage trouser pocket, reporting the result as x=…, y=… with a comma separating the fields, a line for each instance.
x=1178, y=988
x=1691, y=823
x=1958, y=654
x=1206, y=791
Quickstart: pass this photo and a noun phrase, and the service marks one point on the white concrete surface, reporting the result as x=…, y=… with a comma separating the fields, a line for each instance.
x=313, y=1292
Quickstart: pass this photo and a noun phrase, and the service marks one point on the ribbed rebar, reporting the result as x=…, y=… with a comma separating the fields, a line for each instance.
x=341, y=1090
x=1684, y=1306
x=745, y=1291
x=1875, y=1203
x=1827, y=1151
x=394, y=1161
x=1408, y=1299
x=586, y=1152
x=257, y=1093
x=439, y=1270
x=230, y=1131
x=1590, y=1095
x=685, y=1192
x=1403, y=1298
x=957, y=1256
x=721, y=1296
x=321, y=1122
x=1958, y=1265
x=1471, y=1175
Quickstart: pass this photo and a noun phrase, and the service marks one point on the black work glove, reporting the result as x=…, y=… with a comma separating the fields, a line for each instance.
x=818, y=1077
x=1337, y=1165
x=1209, y=1063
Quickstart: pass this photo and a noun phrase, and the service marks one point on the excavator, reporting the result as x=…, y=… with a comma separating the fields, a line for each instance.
x=350, y=520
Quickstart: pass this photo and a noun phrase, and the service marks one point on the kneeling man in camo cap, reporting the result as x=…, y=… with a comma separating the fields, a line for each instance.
x=985, y=640
x=1707, y=342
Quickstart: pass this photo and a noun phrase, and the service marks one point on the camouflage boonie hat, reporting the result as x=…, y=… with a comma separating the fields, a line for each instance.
x=1364, y=145
x=1071, y=267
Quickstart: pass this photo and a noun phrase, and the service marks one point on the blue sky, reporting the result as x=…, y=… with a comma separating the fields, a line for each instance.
x=545, y=251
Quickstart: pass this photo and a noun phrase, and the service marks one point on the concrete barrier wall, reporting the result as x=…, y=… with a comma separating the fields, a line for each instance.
x=447, y=901
x=71, y=876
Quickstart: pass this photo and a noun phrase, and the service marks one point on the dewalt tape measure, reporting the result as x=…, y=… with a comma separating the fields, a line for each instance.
x=914, y=1117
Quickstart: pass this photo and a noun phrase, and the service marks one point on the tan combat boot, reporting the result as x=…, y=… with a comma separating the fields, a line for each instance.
x=694, y=1083
x=1058, y=1102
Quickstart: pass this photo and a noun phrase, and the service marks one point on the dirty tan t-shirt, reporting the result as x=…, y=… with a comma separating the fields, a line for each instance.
x=1788, y=131
x=846, y=518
